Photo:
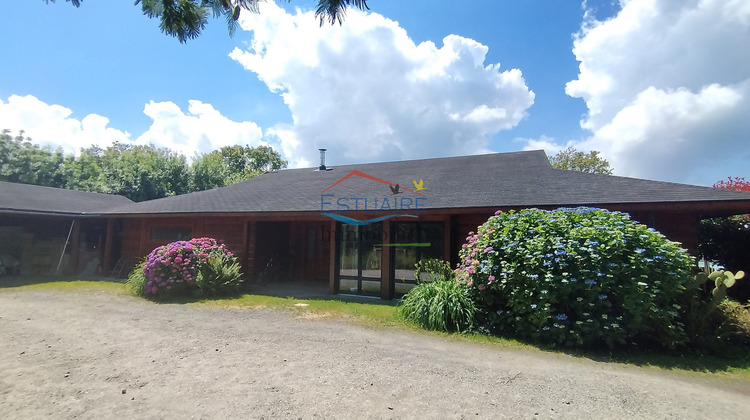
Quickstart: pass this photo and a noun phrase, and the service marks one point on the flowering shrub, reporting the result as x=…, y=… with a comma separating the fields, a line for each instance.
x=182, y=268
x=576, y=277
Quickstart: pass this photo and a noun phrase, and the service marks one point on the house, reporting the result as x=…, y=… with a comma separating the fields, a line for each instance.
x=55, y=231
x=360, y=228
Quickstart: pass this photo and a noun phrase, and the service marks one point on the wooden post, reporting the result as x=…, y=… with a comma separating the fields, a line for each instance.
x=332, y=263
x=447, y=240
x=75, y=240
x=145, y=235
x=250, y=257
x=106, y=264
x=386, y=291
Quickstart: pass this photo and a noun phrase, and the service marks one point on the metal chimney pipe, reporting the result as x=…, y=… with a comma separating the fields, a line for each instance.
x=322, y=166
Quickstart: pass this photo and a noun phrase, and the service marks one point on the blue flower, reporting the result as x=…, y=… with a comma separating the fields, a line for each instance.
x=533, y=306
x=560, y=252
x=573, y=280
x=602, y=297
x=640, y=250
x=548, y=264
x=658, y=257
x=534, y=276
x=562, y=317
x=590, y=282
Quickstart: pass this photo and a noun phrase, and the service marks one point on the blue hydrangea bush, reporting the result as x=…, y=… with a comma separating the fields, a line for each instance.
x=576, y=277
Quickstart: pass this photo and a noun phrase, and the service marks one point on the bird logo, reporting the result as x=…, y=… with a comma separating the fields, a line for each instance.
x=395, y=190
x=419, y=185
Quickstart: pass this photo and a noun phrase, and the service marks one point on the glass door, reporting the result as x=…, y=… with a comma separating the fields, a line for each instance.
x=360, y=251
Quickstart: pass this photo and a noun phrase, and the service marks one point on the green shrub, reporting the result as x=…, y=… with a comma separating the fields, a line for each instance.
x=219, y=276
x=726, y=241
x=432, y=269
x=576, y=277
x=440, y=303
x=137, y=280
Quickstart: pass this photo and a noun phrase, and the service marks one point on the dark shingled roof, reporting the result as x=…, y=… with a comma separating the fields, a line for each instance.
x=520, y=179
x=23, y=198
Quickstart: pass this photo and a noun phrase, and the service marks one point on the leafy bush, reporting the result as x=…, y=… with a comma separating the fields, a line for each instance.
x=219, y=275
x=576, y=277
x=441, y=303
x=713, y=322
x=184, y=268
x=137, y=281
x=432, y=269
x=726, y=241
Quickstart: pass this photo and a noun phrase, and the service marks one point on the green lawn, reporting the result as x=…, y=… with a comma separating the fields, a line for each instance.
x=385, y=315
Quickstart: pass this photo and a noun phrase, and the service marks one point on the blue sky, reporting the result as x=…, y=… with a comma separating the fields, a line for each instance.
x=662, y=88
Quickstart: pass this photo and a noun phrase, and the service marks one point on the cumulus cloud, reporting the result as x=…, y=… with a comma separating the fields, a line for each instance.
x=367, y=92
x=667, y=86
x=199, y=130
x=52, y=125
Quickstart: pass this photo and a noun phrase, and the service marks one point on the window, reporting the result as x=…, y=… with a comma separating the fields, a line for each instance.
x=413, y=242
x=171, y=233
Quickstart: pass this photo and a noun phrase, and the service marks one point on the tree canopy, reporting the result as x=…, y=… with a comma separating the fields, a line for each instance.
x=139, y=172
x=185, y=19
x=575, y=160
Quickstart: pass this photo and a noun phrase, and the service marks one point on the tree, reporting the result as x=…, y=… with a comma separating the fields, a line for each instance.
x=143, y=172
x=24, y=162
x=137, y=172
x=574, y=160
x=185, y=19
x=232, y=164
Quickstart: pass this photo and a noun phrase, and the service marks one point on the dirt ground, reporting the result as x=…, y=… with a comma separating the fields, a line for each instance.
x=99, y=355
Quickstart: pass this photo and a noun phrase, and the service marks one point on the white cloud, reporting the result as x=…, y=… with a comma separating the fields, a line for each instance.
x=200, y=130
x=548, y=144
x=667, y=85
x=52, y=125
x=366, y=92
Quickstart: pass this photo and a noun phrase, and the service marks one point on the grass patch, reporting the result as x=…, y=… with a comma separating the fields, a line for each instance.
x=364, y=312
x=386, y=314
x=62, y=283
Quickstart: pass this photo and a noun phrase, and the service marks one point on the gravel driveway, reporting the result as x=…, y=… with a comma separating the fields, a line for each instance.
x=102, y=355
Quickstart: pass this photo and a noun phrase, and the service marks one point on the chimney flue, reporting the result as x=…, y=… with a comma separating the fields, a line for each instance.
x=322, y=166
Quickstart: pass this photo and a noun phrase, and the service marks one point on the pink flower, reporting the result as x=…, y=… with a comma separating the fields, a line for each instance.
x=481, y=287
x=490, y=279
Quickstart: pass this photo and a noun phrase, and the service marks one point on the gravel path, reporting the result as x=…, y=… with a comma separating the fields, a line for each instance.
x=101, y=355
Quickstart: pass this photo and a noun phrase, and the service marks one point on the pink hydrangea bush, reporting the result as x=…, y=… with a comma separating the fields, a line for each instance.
x=175, y=269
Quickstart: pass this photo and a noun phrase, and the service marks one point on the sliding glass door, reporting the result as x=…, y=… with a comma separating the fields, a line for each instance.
x=360, y=250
